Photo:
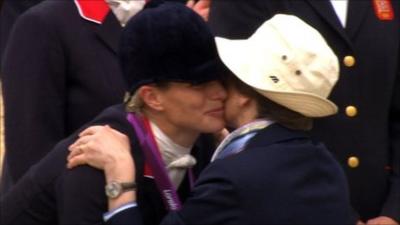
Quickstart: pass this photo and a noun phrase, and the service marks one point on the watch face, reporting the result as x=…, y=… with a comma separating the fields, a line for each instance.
x=113, y=189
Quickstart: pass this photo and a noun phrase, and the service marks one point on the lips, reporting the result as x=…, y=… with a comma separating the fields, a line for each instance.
x=217, y=112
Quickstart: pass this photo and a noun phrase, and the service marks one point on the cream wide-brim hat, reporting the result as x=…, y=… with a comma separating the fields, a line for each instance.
x=287, y=61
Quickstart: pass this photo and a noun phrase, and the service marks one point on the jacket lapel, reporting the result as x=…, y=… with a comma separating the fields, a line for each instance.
x=109, y=32
x=357, y=10
x=325, y=9
x=98, y=11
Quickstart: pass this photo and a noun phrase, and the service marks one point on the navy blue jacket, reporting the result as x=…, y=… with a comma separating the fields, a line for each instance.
x=281, y=177
x=372, y=85
x=59, y=71
x=49, y=193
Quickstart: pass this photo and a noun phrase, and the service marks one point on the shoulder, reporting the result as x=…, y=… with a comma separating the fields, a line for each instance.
x=116, y=117
x=291, y=157
x=51, y=8
x=81, y=190
x=48, y=15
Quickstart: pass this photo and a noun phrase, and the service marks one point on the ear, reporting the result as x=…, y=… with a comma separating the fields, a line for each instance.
x=243, y=101
x=151, y=97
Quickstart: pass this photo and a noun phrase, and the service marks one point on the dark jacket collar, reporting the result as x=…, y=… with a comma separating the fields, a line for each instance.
x=110, y=31
x=98, y=11
x=357, y=10
x=275, y=133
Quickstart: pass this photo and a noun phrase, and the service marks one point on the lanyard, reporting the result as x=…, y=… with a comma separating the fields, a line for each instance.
x=153, y=158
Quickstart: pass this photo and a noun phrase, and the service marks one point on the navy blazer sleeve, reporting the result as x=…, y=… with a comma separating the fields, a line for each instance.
x=33, y=79
x=128, y=216
x=279, y=185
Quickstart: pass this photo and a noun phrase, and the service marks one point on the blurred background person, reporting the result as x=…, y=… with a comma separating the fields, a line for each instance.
x=365, y=134
x=9, y=11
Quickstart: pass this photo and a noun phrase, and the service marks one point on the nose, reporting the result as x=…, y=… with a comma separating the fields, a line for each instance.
x=217, y=91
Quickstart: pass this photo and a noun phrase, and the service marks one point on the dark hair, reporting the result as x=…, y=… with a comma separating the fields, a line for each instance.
x=269, y=109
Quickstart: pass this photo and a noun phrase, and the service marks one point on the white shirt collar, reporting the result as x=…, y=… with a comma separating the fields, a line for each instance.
x=340, y=7
x=125, y=9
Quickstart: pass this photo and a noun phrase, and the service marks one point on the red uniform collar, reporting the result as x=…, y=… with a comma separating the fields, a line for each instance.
x=93, y=10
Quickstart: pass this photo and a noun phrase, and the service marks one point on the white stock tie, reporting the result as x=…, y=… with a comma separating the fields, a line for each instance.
x=177, y=158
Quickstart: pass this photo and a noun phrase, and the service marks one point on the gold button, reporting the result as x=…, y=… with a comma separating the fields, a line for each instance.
x=349, y=61
x=351, y=111
x=353, y=162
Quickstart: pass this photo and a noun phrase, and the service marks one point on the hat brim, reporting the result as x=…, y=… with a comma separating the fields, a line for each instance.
x=236, y=53
x=306, y=104
x=214, y=69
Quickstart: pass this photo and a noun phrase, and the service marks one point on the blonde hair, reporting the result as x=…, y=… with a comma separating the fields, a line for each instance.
x=133, y=103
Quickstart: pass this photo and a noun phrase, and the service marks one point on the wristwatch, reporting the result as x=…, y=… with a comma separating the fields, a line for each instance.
x=115, y=189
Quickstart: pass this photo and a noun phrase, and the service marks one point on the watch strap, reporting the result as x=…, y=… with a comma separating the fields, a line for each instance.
x=126, y=186
x=114, y=189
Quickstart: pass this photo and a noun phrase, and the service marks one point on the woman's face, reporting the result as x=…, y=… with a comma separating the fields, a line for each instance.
x=232, y=106
x=194, y=108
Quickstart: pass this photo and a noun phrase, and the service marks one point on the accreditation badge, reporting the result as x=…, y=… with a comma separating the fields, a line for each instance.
x=383, y=9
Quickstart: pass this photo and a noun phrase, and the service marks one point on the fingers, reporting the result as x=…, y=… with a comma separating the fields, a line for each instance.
x=99, y=146
x=81, y=141
x=83, y=136
x=76, y=161
x=74, y=151
x=79, y=155
x=92, y=130
x=88, y=133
